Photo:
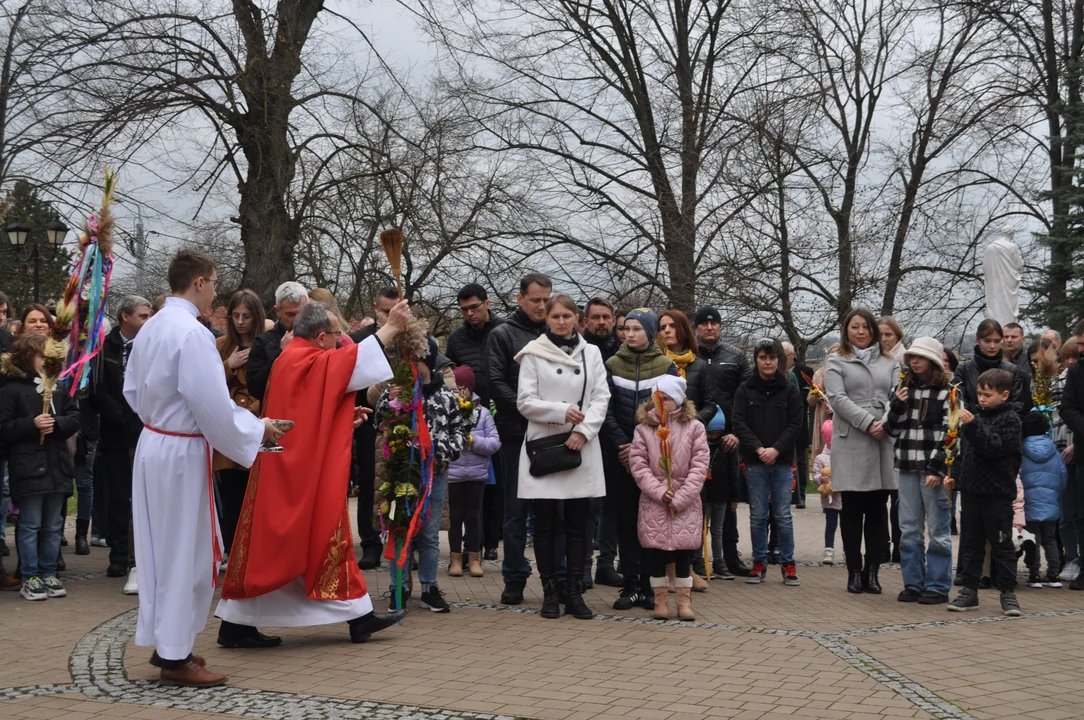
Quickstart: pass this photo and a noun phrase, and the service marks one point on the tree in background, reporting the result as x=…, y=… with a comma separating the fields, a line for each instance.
x=17, y=274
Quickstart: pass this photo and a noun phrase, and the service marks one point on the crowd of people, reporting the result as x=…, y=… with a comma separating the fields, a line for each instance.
x=617, y=443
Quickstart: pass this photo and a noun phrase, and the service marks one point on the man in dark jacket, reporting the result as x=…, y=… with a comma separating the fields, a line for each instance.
x=119, y=430
x=768, y=420
x=799, y=374
x=467, y=346
x=1072, y=414
x=505, y=341
x=728, y=368
x=599, y=323
x=289, y=297
x=365, y=448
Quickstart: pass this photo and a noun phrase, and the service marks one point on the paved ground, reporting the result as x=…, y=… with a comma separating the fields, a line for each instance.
x=756, y=652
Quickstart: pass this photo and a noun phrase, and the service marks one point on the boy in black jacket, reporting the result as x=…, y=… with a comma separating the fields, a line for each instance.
x=990, y=461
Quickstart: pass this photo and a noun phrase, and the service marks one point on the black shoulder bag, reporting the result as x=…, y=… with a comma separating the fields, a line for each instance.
x=550, y=455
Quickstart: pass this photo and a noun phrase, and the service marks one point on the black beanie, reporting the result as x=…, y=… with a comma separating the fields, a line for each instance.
x=707, y=314
x=1035, y=423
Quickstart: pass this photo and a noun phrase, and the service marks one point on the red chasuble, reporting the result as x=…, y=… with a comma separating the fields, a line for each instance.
x=295, y=518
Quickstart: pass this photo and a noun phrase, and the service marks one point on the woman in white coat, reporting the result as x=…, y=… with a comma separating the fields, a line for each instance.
x=562, y=388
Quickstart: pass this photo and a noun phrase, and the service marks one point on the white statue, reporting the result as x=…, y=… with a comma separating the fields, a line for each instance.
x=1002, y=264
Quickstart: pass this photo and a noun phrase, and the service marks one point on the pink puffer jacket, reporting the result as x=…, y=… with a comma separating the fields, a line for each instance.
x=689, y=447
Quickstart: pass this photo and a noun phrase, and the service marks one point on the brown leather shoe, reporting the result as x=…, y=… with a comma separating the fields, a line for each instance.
x=191, y=675
x=156, y=661
x=7, y=582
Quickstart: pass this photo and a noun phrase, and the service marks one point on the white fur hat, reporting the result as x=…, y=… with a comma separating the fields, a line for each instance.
x=929, y=348
x=674, y=386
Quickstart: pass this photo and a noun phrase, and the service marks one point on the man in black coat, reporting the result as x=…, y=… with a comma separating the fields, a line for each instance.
x=527, y=323
x=467, y=346
x=289, y=297
x=119, y=430
x=365, y=449
x=728, y=367
x=1072, y=414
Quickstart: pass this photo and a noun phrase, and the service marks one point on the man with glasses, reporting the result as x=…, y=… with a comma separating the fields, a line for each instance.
x=467, y=346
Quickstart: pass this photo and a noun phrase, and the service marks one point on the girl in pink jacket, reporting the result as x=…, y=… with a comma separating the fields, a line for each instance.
x=670, y=521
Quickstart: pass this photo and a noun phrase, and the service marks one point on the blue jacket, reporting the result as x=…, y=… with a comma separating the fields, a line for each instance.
x=1044, y=476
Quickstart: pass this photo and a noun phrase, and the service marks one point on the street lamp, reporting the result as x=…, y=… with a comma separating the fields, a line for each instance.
x=18, y=232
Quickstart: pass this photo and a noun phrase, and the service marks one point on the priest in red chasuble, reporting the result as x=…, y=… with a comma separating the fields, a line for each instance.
x=292, y=562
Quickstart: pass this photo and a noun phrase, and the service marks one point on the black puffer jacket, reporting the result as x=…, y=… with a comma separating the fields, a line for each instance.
x=502, y=372
x=608, y=345
x=967, y=374
x=119, y=426
x=265, y=351
x=991, y=452
x=467, y=346
x=768, y=413
x=35, y=468
x=728, y=367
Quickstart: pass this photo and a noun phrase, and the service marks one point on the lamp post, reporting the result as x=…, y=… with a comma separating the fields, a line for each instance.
x=18, y=232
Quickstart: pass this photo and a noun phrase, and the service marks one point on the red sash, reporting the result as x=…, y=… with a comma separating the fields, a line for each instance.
x=215, y=544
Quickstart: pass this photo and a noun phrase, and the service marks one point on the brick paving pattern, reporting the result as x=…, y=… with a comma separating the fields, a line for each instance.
x=756, y=651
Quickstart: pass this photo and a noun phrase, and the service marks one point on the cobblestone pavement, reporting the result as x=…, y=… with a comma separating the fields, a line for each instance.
x=757, y=651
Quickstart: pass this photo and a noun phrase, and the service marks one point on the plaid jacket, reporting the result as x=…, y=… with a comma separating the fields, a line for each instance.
x=919, y=426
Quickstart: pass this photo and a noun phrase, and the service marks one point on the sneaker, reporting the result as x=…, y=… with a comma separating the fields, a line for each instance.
x=719, y=571
x=1077, y=583
x=490, y=554
x=929, y=597
x=433, y=599
x=908, y=595
x=1051, y=581
x=513, y=592
x=1009, y=605
x=790, y=575
x=393, y=598
x=34, y=589
x=968, y=599
x=757, y=573
x=97, y=541
x=774, y=557
x=131, y=586
x=829, y=557
x=1035, y=580
x=54, y=588
x=959, y=580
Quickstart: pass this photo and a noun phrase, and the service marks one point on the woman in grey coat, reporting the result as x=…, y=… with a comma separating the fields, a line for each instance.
x=859, y=380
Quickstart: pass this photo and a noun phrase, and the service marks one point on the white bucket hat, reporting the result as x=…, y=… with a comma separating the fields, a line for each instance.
x=929, y=348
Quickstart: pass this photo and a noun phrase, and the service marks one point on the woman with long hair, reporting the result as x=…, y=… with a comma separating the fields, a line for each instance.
x=36, y=318
x=244, y=321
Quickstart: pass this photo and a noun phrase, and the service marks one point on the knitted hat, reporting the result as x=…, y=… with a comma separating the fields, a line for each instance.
x=929, y=348
x=1035, y=423
x=464, y=377
x=718, y=422
x=707, y=314
x=826, y=432
x=648, y=319
x=673, y=386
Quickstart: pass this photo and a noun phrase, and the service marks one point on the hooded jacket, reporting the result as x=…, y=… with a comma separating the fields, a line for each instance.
x=632, y=377
x=656, y=527
x=35, y=467
x=1044, y=476
x=990, y=453
x=502, y=372
x=768, y=413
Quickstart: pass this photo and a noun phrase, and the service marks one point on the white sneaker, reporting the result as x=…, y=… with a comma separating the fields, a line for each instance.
x=132, y=586
x=33, y=589
x=99, y=542
x=829, y=557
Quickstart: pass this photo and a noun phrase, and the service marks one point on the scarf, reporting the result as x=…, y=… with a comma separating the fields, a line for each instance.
x=866, y=355
x=567, y=345
x=987, y=362
x=681, y=360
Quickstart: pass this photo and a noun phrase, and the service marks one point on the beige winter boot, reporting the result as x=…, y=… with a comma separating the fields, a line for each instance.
x=699, y=583
x=662, y=609
x=475, y=564
x=455, y=566
x=671, y=573
x=685, y=599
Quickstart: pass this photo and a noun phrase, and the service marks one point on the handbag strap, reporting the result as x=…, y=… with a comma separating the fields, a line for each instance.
x=583, y=393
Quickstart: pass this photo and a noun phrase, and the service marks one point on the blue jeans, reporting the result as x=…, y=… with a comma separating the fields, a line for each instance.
x=514, y=567
x=40, y=521
x=925, y=566
x=770, y=483
x=84, y=483
x=428, y=540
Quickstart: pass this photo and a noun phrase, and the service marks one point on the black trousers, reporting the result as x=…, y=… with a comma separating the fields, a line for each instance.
x=659, y=559
x=232, y=485
x=627, y=510
x=365, y=457
x=116, y=464
x=864, y=514
x=1046, y=537
x=465, y=508
x=894, y=521
x=801, y=459
x=493, y=507
x=986, y=519
x=607, y=523
x=547, y=522
x=100, y=511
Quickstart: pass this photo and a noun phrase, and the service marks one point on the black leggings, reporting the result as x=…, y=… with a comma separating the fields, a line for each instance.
x=465, y=508
x=864, y=513
x=232, y=486
x=547, y=515
x=682, y=559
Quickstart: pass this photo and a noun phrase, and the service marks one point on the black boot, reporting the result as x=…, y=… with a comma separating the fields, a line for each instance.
x=61, y=566
x=870, y=583
x=370, y=558
x=576, y=607
x=733, y=560
x=606, y=575
x=82, y=547
x=562, y=590
x=551, y=603
x=854, y=583
x=362, y=628
x=647, y=595
x=588, y=566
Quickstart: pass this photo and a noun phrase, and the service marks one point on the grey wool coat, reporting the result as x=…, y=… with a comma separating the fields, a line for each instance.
x=859, y=395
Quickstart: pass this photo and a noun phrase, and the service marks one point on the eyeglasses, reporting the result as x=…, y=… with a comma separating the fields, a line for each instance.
x=336, y=333
x=214, y=282
x=471, y=308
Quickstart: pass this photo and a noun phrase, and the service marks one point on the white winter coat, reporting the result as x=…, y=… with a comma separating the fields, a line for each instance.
x=549, y=383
